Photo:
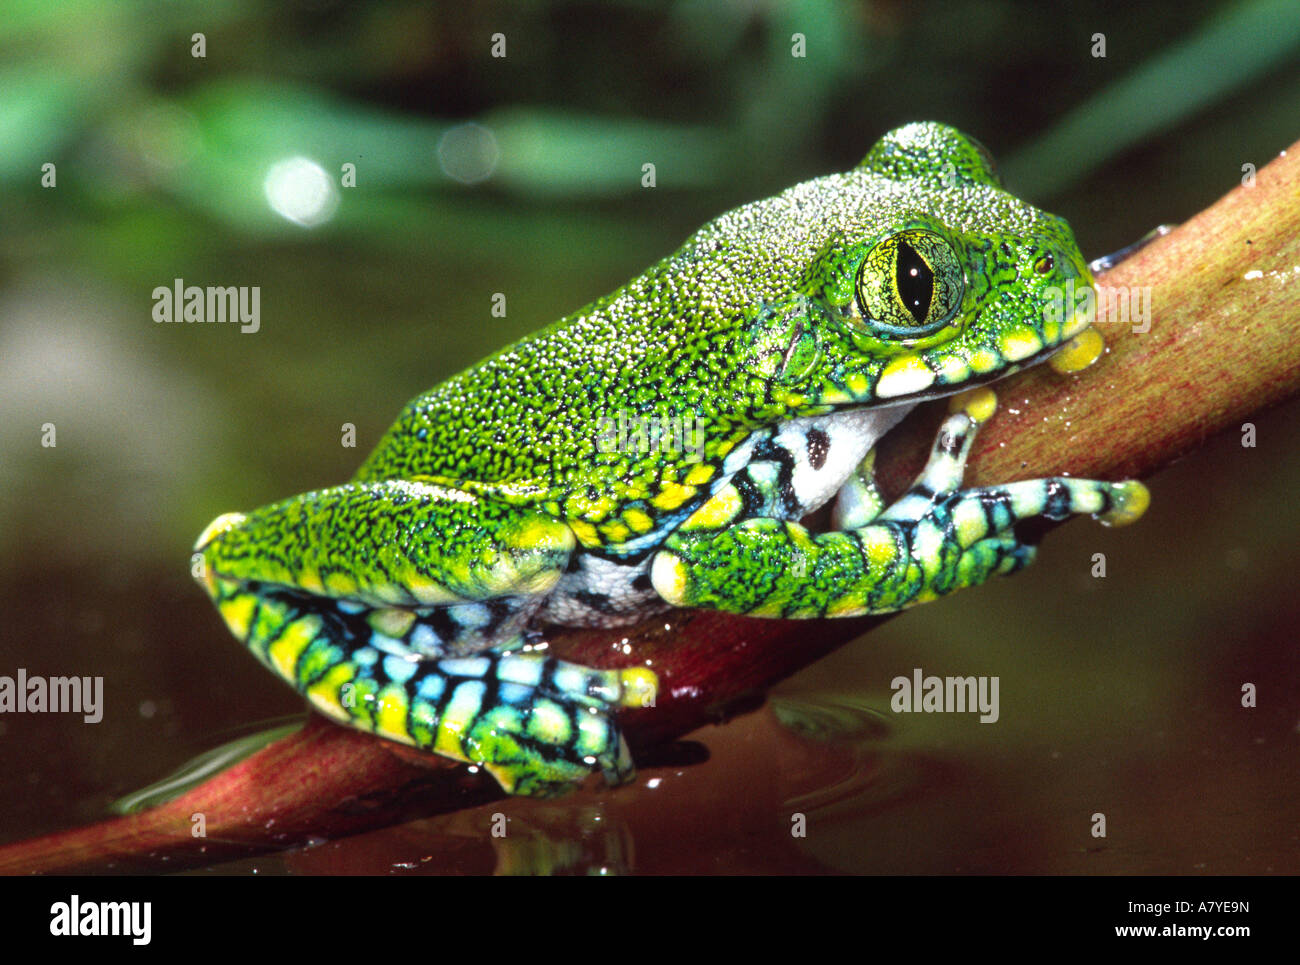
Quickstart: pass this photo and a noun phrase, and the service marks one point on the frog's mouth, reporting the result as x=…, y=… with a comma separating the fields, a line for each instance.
x=916, y=376
x=1080, y=356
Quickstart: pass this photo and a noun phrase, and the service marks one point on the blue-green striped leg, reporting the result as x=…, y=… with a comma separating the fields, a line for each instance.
x=935, y=539
x=539, y=725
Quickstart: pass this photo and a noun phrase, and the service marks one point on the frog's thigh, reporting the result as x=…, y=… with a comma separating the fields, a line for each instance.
x=397, y=543
x=333, y=591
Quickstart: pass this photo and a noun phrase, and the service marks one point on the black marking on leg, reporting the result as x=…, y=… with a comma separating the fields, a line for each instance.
x=491, y=698
x=449, y=685
x=769, y=450
x=819, y=445
x=546, y=679
x=950, y=443
x=252, y=625
x=753, y=500
x=922, y=490
x=1056, y=504
x=989, y=503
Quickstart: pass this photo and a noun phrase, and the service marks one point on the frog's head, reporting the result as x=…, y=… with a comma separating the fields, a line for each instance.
x=941, y=280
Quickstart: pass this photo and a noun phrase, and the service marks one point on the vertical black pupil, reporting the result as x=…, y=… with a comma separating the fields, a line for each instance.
x=915, y=281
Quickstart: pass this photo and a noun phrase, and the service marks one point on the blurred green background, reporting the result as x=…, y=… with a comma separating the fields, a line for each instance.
x=522, y=175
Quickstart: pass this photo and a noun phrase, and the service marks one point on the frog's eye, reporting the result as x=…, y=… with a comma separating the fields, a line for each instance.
x=910, y=285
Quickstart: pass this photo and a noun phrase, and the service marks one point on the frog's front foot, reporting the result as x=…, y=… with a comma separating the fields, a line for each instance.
x=960, y=537
x=936, y=538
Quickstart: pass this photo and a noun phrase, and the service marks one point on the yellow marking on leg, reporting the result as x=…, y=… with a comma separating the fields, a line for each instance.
x=466, y=701
x=1129, y=500
x=699, y=475
x=671, y=496
x=238, y=612
x=878, y=546
x=505, y=775
x=288, y=647
x=639, y=521
x=969, y=522
x=549, y=723
x=584, y=532
x=615, y=531
x=324, y=693
x=639, y=687
x=670, y=575
x=590, y=741
x=717, y=512
x=392, y=621
x=390, y=713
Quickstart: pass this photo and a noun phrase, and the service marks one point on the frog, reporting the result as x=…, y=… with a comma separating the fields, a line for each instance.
x=790, y=335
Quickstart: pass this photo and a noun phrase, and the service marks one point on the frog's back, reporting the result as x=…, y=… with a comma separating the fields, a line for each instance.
x=669, y=344
x=529, y=418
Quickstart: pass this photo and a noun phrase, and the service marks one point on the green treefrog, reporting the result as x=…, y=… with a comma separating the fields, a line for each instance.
x=789, y=334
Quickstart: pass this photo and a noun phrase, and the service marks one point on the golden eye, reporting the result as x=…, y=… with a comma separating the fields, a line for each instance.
x=910, y=285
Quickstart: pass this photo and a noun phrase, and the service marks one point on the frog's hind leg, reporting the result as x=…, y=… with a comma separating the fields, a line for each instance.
x=422, y=648
x=539, y=725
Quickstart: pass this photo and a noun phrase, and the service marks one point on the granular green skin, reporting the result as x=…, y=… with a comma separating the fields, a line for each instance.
x=523, y=424
x=404, y=602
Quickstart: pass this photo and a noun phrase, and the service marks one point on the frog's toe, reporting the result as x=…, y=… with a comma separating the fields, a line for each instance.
x=1002, y=554
x=997, y=554
x=1128, y=502
x=598, y=690
x=618, y=769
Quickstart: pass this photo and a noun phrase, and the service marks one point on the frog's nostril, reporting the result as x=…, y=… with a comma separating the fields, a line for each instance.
x=1044, y=265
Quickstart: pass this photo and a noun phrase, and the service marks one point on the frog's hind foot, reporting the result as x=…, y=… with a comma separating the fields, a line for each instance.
x=537, y=724
x=543, y=725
